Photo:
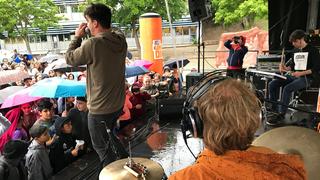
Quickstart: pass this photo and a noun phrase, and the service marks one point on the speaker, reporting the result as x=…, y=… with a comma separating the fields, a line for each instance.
x=200, y=9
x=192, y=78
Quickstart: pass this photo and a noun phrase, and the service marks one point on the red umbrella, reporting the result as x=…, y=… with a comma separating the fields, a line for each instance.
x=144, y=63
x=10, y=76
x=18, y=98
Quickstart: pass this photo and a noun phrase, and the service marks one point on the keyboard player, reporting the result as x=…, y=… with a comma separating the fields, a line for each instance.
x=305, y=60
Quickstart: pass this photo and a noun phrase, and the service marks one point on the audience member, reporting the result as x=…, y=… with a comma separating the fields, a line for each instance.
x=231, y=114
x=64, y=150
x=11, y=162
x=37, y=158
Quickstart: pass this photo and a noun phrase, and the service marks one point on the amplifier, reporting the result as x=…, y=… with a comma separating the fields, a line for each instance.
x=269, y=63
x=192, y=78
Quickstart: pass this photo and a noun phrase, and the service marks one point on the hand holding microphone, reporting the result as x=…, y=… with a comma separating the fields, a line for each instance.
x=80, y=31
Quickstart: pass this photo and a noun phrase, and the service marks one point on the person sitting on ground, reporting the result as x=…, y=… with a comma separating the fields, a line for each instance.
x=37, y=158
x=231, y=114
x=64, y=150
x=237, y=51
x=79, y=121
x=11, y=162
x=138, y=100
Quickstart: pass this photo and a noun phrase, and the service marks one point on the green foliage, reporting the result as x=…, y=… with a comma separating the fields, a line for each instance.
x=18, y=16
x=228, y=12
x=127, y=12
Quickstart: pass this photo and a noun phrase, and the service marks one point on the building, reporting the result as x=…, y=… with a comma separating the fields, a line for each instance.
x=58, y=39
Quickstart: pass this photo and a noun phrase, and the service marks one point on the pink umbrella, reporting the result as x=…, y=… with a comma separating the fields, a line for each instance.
x=144, y=63
x=10, y=76
x=18, y=98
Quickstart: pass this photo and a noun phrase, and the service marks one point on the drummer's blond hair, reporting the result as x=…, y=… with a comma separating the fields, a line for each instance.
x=231, y=115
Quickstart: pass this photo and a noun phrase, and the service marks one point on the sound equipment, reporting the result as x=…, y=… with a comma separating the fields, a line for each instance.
x=171, y=107
x=295, y=140
x=191, y=121
x=268, y=62
x=200, y=10
x=118, y=171
x=192, y=78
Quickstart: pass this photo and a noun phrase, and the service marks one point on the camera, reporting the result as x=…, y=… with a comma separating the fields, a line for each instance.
x=236, y=39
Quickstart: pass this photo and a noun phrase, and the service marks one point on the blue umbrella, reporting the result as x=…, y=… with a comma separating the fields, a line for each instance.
x=173, y=62
x=58, y=87
x=132, y=71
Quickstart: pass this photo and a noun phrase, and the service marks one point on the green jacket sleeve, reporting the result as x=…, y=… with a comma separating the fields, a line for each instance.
x=79, y=54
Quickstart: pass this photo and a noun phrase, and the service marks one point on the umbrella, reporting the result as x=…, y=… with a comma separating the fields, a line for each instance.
x=132, y=71
x=50, y=58
x=6, y=92
x=18, y=98
x=10, y=76
x=143, y=63
x=58, y=87
x=172, y=62
x=62, y=66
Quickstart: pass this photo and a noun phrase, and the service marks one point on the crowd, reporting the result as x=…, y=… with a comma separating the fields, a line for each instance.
x=39, y=139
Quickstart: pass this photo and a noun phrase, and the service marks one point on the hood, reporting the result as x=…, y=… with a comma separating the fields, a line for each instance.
x=60, y=122
x=116, y=39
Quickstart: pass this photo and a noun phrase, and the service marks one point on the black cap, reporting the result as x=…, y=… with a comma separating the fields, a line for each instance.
x=14, y=149
x=60, y=121
x=82, y=98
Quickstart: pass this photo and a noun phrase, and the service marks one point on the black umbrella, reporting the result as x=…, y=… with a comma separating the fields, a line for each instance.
x=173, y=62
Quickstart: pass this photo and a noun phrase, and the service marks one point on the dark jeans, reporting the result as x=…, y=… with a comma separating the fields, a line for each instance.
x=107, y=145
x=290, y=85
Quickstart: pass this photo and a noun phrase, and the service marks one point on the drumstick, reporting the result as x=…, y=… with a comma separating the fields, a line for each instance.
x=282, y=59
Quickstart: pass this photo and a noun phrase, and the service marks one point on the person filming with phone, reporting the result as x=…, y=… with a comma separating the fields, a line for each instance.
x=104, y=53
x=237, y=51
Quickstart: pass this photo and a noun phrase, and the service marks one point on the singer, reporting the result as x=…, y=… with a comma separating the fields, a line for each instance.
x=306, y=60
x=104, y=54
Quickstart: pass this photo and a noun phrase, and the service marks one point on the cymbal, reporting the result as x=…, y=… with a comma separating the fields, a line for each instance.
x=115, y=170
x=295, y=140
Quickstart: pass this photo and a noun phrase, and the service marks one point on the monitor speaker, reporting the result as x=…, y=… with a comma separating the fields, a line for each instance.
x=200, y=10
x=192, y=78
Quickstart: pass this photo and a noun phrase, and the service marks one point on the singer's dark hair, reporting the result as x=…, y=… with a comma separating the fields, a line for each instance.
x=297, y=34
x=100, y=13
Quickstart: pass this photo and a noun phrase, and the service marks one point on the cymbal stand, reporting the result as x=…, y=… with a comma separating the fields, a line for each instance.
x=136, y=169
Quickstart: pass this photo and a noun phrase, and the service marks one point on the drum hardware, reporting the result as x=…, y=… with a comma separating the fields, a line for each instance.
x=295, y=140
x=132, y=168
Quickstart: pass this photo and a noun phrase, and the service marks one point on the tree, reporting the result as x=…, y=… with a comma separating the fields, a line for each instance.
x=228, y=12
x=19, y=17
x=127, y=12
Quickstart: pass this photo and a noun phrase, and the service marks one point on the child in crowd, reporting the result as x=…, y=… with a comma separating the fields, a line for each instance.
x=46, y=114
x=138, y=100
x=149, y=87
x=37, y=158
x=64, y=150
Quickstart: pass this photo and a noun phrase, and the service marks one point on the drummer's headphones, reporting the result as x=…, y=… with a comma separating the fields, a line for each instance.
x=191, y=120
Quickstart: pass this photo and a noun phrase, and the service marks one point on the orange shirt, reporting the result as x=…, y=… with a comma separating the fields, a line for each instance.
x=126, y=109
x=254, y=163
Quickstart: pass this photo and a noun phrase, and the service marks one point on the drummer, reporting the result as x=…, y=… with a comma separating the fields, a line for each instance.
x=299, y=71
x=230, y=112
